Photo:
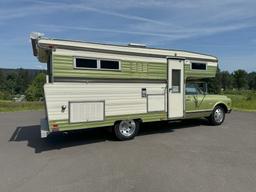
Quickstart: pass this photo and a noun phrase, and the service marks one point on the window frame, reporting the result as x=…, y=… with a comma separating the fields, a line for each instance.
x=205, y=63
x=119, y=64
x=98, y=60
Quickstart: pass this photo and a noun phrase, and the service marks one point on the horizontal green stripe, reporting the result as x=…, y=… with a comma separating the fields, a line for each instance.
x=63, y=67
x=64, y=125
x=210, y=72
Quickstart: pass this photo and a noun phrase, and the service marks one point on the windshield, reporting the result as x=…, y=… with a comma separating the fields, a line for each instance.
x=193, y=89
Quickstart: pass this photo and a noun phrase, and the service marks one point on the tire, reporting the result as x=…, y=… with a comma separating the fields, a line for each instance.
x=126, y=129
x=218, y=116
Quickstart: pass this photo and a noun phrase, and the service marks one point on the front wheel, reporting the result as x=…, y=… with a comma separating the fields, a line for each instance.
x=217, y=117
x=126, y=129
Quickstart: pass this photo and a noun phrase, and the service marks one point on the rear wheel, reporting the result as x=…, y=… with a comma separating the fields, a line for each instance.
x=218, y=115
x=126, y=129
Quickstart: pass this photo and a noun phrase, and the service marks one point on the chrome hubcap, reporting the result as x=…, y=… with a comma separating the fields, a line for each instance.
x=218, y=115
x=127, y=127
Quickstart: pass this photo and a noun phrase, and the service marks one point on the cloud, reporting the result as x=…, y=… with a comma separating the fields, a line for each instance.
x=41, y=7
x=73, y=28
x=177, y=14
x=167, y=34
x=13, y=12
x=173, y=20
x=154, y=22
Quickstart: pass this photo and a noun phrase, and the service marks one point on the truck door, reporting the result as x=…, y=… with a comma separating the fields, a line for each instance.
x=175, y=88
x=191, y=98
x=194, y=99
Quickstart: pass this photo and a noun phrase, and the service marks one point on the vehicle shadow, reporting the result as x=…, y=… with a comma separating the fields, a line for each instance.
x=31, y=134
x=170, y=126
x=56, y=141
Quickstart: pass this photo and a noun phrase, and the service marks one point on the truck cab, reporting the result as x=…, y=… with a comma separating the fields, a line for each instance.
x=199, y=103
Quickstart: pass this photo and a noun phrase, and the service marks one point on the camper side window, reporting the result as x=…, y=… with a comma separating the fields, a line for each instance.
x=86, y=63
x=90, y=63
x=198, y=66
x=108, y=64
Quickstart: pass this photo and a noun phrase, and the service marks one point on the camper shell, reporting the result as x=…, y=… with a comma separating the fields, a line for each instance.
x=94, y=85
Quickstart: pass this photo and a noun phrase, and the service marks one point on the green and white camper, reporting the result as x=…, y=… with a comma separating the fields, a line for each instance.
x=95, y=85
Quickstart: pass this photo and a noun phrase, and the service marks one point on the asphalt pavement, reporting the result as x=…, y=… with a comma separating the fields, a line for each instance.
x=189, y=156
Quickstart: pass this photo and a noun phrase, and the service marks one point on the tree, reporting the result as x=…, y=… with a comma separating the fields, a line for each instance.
x=22, y=81
x=252, y=80
x=35, y=89
x=225, y=80
x=240, y=79
x=10, y=83
x=3, y=93
x=2, y=80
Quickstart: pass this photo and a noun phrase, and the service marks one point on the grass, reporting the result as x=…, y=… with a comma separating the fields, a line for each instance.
x=11, y=106
x=242, y=100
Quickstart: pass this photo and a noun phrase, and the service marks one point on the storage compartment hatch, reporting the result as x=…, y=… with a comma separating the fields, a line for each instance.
x=86, y=111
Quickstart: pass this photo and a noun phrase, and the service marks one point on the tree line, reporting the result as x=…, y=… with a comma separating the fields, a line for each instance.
x=237, y=80
x=22, y=82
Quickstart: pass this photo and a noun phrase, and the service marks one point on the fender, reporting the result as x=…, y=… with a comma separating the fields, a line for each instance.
x=226, y=108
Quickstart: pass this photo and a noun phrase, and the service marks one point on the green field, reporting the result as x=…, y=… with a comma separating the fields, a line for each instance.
x=11, y=106
x=242, y=100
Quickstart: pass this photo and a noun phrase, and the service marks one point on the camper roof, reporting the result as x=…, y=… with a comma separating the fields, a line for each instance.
x=41, y=44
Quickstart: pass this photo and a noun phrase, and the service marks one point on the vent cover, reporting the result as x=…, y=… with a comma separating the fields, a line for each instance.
x=86, y=111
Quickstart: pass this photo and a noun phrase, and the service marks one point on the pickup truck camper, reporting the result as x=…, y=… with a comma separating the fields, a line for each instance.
x=95, y=85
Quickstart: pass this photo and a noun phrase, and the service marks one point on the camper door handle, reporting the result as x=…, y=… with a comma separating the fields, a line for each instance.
x=170, y=89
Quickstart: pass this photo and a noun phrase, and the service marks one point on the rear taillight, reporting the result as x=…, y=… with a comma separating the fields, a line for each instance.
x=55, y=127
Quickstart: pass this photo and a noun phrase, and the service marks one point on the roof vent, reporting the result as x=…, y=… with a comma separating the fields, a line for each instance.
x=136, y=45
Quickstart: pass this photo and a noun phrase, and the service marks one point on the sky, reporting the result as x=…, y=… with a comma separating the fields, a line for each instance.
x=223, y=28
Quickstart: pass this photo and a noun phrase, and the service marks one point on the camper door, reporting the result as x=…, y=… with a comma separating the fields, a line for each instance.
x=175, y=88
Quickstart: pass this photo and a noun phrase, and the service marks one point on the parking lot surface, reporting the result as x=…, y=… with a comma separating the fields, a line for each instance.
x=188, y=156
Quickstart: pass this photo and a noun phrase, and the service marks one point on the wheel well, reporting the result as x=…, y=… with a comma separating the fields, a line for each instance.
x=223, y=106
x=138, y=120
